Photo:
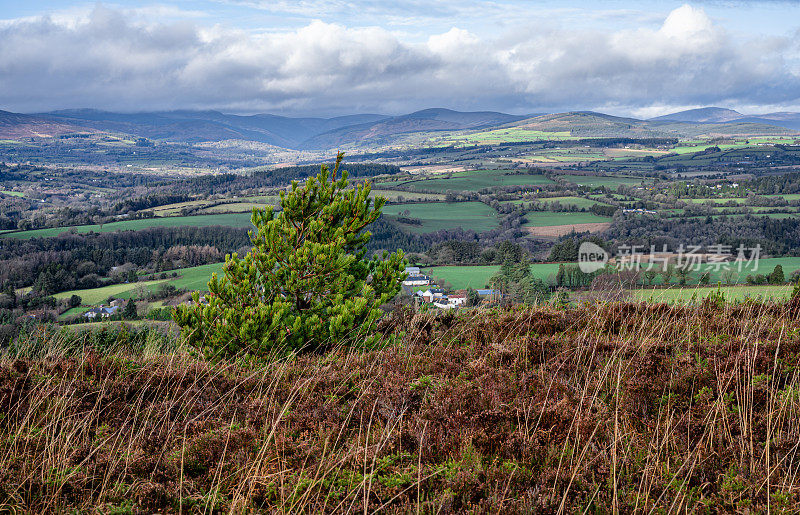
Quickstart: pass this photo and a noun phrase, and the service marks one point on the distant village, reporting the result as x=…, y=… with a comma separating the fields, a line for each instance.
x=439, y=297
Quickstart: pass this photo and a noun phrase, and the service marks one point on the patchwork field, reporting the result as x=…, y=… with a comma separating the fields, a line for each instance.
x=435, y=216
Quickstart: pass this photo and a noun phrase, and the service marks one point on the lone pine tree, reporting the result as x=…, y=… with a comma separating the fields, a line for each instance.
x=305, y=283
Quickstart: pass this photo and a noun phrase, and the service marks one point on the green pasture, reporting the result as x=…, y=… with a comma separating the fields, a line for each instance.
x=566, y=155
x=596, y=181
x=234, y=207
x=688, y=149
x=192, y=279
x=439, y=215
x=477, y=276
x=196, y=278
x=95, y=296
x=13, y=193
x=510, y=135
x=578, y=202
x=739, y=271
x=786, y=196
x=400, y=196
x=227, y=220
x=725, y=200
x=732, y=293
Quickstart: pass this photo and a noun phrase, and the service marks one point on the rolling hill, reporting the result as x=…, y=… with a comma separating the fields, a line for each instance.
x=14, y=126
x=590, y=124
x=196, y=126
x=366, y=130
x=419, y=121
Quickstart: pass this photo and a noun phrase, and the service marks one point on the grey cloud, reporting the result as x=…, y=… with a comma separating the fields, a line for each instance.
x=111, y=61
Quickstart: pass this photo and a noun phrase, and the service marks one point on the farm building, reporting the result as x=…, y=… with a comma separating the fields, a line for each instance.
x=101, y=312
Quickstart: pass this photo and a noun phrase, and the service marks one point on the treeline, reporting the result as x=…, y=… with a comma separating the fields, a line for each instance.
x=69, y=176
x=776, y=236
x=774, y=184
x=87, y=260
x=149, y=201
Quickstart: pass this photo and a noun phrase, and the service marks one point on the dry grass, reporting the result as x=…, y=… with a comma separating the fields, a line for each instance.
x=561, y=230
x=608, y=408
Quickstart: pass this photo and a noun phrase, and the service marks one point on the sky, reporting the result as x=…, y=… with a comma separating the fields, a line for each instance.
x=335, y=57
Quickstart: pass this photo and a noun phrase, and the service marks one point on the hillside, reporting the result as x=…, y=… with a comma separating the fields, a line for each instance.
x=420, y=121
x=197, y=126
x=589, y=124
x=701, y=115
x=294, y=133
x=14, y=125
x=614, y=408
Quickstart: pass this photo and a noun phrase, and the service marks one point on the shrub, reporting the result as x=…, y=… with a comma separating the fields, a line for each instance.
x=306, y=281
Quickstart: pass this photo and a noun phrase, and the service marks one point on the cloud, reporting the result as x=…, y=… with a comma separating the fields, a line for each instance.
x=112, y=59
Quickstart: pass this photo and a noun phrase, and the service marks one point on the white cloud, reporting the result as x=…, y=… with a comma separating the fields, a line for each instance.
x=114, y=59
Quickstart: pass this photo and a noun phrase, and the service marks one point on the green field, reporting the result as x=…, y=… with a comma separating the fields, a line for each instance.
x=738, y=200
x=718, y=273
x=510, y=135
x=776, y=216
x=737, y=293
x=175, y=209
x=13, y=193
x=472, y=181
x=477, y=276
x=194, y=278
x=578, y=202
x=95, y=296
x=228, y=220
x=688, y=149
x=566, y=155
x=233, y=207
x=549, y=219
x=440, y=215
x=598, y=181
x=786, y=196
x=400, y=196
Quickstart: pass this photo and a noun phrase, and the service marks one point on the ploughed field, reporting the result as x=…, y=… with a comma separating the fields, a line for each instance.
x=610, y=407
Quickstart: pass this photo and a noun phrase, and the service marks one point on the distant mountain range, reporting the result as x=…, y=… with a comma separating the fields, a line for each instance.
x=722, y=115
x=366, y=129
